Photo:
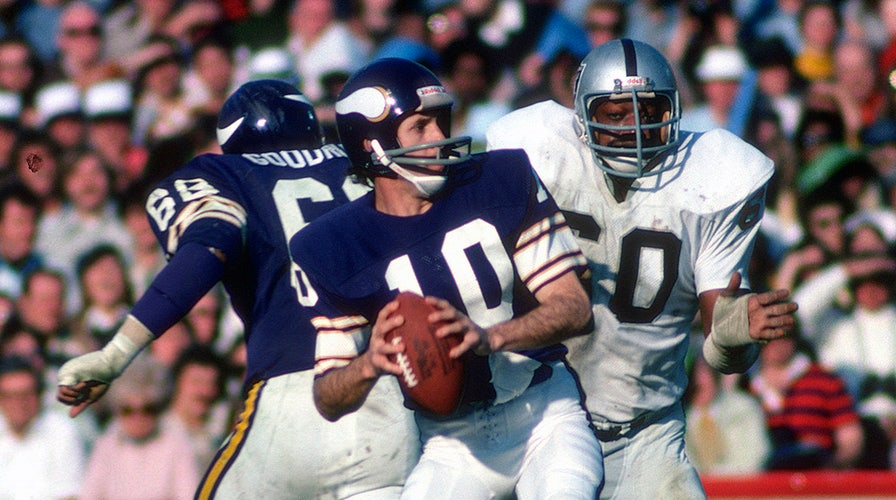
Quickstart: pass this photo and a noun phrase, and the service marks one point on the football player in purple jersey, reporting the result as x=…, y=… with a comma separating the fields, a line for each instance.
x=229, y=218
x=480, y=237
x=667, y=220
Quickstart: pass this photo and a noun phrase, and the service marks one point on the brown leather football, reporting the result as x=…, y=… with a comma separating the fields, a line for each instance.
x=431, y=379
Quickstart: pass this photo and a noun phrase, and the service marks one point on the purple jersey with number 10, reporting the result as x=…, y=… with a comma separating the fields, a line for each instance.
x=486, y=246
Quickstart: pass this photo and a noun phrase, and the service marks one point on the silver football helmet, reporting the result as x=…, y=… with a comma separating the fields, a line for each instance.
x=635, y=72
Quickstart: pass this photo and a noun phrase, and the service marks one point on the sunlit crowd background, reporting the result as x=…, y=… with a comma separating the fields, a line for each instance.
x=100, y=99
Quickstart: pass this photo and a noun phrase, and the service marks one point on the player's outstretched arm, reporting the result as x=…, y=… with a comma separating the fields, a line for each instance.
x=564, y=311
x=191, y=273
x=735, y=322
x=343, y=390
x=84, y=379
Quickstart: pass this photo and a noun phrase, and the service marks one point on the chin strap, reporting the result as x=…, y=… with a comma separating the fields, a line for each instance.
x=427, y=184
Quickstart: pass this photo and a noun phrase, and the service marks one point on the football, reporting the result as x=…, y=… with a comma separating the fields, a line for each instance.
x=431, y=380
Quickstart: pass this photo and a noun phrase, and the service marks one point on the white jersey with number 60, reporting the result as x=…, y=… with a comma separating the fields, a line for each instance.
x=676, y=235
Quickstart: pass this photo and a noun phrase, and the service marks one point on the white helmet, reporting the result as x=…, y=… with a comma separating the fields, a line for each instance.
x=628, y=69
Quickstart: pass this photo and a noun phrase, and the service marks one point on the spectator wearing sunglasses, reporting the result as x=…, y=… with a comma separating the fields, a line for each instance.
x=136, y=457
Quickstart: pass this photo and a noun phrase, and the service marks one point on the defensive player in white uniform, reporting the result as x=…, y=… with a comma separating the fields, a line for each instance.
x=667, y=221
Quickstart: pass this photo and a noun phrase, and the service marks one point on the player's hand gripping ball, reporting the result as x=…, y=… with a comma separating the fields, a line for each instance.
x=431, y=379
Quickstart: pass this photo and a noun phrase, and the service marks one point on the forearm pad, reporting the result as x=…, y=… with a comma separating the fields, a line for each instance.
x=109, y=362
x=729, y=348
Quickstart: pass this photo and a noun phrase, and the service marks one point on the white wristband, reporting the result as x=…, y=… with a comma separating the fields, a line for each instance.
x=108, y=363
x=729, y=348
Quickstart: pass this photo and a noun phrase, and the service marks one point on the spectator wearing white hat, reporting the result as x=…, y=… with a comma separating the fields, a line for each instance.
x=720, y=71
x=58, y=113
x=108, y=110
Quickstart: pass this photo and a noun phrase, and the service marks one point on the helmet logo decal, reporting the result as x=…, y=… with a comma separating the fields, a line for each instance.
x=225, y=133
x=634, y=82
x=433, y=96
x=371, y=102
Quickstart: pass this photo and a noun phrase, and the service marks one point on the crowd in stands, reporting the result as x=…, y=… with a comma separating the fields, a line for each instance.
x=101, y=98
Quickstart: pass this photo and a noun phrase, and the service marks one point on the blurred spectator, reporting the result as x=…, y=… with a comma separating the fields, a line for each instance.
x=17, y=340
x=824, y=298
x=864, y=20
x=879, y=140
x=136, y=457
x=41, y=455
x=819, y=128
x=821, y=212
x=655, y=22
x=726, y=431
x=777, y=81
x=445, y=24
x=604, y=20
x=720, y=72
x=854, y=92
x=810, y=414
x=130, y=24
x=160, y=111
x=320, y=43
x=470, y=78
x=861, y=348
x=204, y=320
x=80, y=57
x=863, y=96
x=58, y=113
x=36, y=160
x=109, y=111
x=552, y=35
x=556, y=83
x=819, y=24
x=167, y=347
x=703, y=25
x=87, y=218
x=19, y=212
x=41, y=309
x=373, y=22
x=210, y=76
x=19, y=69
x=106, y=296
x=777, y=19
x=197, y=408
x=147, y=258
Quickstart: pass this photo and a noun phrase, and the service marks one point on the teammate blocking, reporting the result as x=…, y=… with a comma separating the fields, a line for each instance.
x=229, y=218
